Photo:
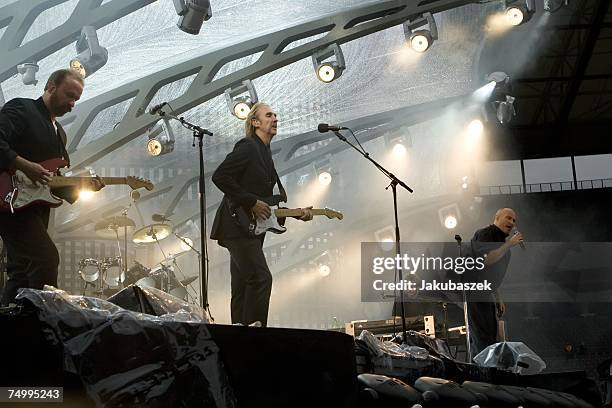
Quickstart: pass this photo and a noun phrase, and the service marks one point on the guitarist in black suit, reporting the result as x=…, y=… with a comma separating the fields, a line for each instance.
x=30, y=134
x=245, y=177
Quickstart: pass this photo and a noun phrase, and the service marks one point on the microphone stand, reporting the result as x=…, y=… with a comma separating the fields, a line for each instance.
x=394, y=183
x=199, y=133
x=465, y=309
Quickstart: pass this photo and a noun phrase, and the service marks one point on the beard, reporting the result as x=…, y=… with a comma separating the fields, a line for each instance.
x=57, y=109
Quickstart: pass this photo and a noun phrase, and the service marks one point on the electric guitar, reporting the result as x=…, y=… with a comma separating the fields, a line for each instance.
x=255, y=226
x=17, y=191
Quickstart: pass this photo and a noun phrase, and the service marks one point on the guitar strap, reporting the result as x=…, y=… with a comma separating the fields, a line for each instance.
x=61, y=135
x=281, y=188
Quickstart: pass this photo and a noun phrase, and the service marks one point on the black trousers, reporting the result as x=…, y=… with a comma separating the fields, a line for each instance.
x=482, y=326
x=32, y=258
x=251, y=280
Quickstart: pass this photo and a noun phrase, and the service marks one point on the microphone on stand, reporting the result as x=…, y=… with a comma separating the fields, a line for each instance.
x=324, y=127
x=155, y=109
x=159, y=218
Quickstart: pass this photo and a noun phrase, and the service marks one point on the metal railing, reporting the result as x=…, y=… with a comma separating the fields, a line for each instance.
x=545, y=187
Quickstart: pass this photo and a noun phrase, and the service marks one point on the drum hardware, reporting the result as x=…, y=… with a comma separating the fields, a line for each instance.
x=151, y=233
x=109, y=228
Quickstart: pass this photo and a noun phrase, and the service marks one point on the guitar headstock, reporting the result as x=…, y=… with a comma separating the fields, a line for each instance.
x=137, y=182
x=333, y=214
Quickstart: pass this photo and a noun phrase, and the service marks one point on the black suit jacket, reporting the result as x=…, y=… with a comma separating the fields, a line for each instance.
x=26, y=130
x=246, y=175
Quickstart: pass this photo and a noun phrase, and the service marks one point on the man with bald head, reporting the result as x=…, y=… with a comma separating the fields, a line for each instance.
x=483, y=311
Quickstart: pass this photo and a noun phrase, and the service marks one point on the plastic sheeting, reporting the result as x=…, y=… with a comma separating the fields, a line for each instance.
x=156, y=302
x=387, y=357
x=513, y=356
x=128, y=359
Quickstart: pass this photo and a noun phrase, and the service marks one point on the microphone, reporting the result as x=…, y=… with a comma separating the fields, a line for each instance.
x=159, y=218
x=324, y=127
x=521, y=243
x=155, y=109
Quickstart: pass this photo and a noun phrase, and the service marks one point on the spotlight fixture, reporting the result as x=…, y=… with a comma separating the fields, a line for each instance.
x=161, y=139
x=421, y=40
x=240, y=106
x=519, y=12
x=192, y=14
x=501, y=100
x=324, y=270
x=385, y=237
x=323, y=169
x=449, y=216
x=465, y=183
x=323, y=262
x=328, y=71
x=399, y=145
x=28, y=73
x=506, y=110
x=475, y=129
x=552, y=6
x=91, y=56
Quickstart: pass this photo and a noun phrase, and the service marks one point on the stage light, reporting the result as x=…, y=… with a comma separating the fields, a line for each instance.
x=192, y=14
x=323, y=168
x=501, y=100
x=161, y=139
x=323, y=263
x=240, y=106
x=506, y=110
x=475, y=130
x=324, y=270
x=465, y=183
x=386, y=238
x=399, y=150
x=450, y=222
x=328, y=71
x=28, y=73
x=86, y=195
x=449, y=216
x=517, y=14
x=421, y=40
x=399, y=144
x=325, y=178
x=91, y=56
x=552, y=6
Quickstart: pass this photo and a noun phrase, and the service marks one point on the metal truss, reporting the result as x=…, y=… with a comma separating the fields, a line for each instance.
x=367, y=128
x=340, y=27
x=19, y=16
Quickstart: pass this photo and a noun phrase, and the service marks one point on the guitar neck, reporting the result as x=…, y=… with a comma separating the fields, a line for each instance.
x=296, y=212
x=60, y=181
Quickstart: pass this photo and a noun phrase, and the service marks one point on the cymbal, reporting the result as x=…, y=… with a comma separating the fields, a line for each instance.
x=149, y=233
x=188, y=281
x=109, y=227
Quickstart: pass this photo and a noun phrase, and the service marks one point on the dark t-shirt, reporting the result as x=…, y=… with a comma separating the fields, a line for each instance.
x=484, y=241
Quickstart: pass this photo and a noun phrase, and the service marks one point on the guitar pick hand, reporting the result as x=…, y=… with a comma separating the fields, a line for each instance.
x=34, y=171
x=261, y=210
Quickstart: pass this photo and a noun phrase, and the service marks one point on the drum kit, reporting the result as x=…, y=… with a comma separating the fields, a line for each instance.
x=109, y=275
